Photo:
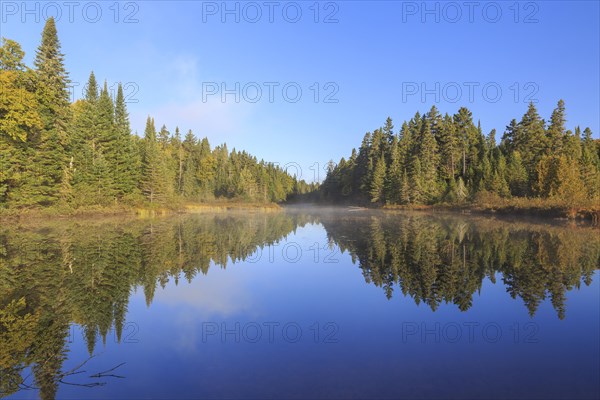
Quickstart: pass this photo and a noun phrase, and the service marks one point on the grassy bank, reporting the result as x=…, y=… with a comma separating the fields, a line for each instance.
x=536, y=207
x=144, y=210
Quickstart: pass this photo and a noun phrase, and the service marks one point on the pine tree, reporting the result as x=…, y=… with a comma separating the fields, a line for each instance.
x=590, y=166
x=360, y=178
x=517, y=175
x=85, y=146
x=178, y=153
x=499, y=182
x=393, y=178
x=429, y=161
x=388, y=137
x=572, y=143
x=108, y=148
x=448, y=145
x=127, y=158
x=378, y=180
x=53, y=81
x=190, y=166
x=154, y=182
x=376, y=150
x=510, y=139
x=468, y=141
x=47, y=154
x=556, y=130
x=531, y=137
x=461, y=190
x=405, y=189
x=416, y=182
x=206, y=171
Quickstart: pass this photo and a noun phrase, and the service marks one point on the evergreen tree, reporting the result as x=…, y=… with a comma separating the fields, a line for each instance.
x=531, y=136
x=556, y=129
x=360, y=177
x=590, y=166
x=88, y=165
x=106, y=163
x=393, y=178
x=154, y=180
x=448, y=145
x=429, y=160
x=127, y=158
x=468, y=141
x=47, y=154
x=378, y=181
x=405, y=189
x=517, y=175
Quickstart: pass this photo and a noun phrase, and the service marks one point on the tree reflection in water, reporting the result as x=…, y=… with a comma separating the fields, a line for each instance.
x=83, y=273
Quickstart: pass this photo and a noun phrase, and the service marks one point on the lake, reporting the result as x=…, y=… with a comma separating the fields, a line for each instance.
x=303, y=303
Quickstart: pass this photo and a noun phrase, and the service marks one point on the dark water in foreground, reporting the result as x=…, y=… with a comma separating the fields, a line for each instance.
x=299, y=304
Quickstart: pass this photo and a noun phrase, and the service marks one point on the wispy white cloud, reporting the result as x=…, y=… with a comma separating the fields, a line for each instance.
x=185, y=107
x=215, y=297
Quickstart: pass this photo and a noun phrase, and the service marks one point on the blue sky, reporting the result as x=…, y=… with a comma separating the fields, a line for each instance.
x=369, y=60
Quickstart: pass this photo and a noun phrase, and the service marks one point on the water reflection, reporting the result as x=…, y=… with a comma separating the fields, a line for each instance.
x=84, y=272
x=445, y=259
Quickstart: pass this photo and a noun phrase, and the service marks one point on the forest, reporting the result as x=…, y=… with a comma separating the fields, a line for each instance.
x=54, y=153
x=71, y=156
x=447, y=159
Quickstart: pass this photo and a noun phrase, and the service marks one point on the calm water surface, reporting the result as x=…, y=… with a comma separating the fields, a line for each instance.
x=299, y=304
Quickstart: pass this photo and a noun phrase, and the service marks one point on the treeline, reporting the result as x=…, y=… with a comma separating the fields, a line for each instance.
x=447, y=159
x=53, y=152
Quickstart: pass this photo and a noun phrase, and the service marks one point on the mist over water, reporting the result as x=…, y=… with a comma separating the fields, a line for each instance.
x=307, y=302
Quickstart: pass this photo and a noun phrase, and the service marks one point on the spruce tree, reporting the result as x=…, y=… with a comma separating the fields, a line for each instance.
x=360, y=178
x=590, y=166
x=190, y=166
x=53, y=80
x=156, y=183
x=556, y=129
x=151, y=179
x=47, y=154
x=517, y=175
x=429, y=160
x=393, y=178
x=378, y=180
x=405, y=189
x=448, y=145
x=468, y=140
x=84, y=145
x=127, y=158
x=531, y=137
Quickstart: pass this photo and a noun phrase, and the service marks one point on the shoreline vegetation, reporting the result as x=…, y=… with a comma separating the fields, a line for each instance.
x=518, y=208
x=62, y=159
x=136, y=211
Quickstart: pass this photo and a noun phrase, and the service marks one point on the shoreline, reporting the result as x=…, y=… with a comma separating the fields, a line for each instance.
x=54, y=213
x=553, y=213
x=522, y=210
x=544, y=212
